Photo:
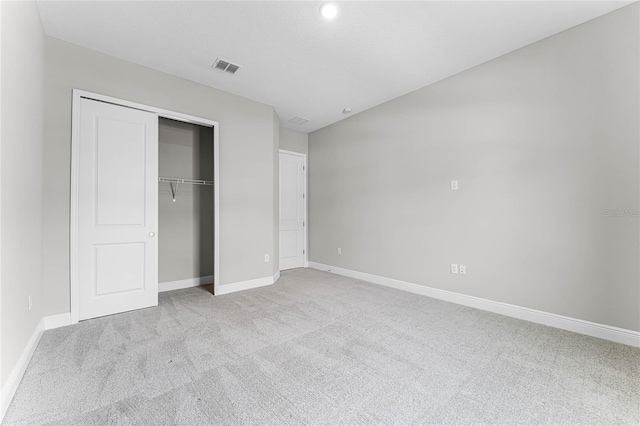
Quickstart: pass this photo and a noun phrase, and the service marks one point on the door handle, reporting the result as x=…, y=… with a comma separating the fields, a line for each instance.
x=152, y=234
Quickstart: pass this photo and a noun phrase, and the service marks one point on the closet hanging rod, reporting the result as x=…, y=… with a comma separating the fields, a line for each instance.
x=188, y=181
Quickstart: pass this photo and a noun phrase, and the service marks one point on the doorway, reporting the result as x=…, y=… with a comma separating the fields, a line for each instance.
x=185, y=205
x=293, y=210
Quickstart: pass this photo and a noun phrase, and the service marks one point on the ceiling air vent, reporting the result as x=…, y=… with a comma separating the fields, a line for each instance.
x=298, y=120
x=226, y=66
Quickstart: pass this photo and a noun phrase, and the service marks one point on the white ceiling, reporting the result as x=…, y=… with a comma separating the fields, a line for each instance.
x=306, y=66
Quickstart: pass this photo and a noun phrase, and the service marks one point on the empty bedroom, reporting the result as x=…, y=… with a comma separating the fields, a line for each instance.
x=320, y=213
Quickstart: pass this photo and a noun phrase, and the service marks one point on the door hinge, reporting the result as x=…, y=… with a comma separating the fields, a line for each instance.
x=302, y=251
x=303, y=195
x=302, y=167
x=302, y=223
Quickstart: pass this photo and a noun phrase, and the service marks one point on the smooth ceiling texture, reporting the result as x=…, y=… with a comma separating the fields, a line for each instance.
x=304, y=65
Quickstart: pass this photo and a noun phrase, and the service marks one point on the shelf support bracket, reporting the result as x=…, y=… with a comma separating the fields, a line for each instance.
x=174, y=190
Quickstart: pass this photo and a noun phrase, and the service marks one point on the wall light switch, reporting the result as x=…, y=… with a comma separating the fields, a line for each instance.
x=339, y=250
x=454, y=185
x=454, y=268
x=266, y=258
x=462, y=269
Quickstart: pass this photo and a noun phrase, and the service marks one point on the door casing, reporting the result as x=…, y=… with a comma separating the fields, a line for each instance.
x=75, y=163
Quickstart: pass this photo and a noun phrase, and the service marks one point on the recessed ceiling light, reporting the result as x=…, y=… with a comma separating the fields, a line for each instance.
x=328, y=11
x=346, y=111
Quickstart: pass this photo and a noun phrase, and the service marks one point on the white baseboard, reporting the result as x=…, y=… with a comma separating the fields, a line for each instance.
x=607, y=332
x=56, y=321
x=189, y=282
x=11, y=385
x=247, y=285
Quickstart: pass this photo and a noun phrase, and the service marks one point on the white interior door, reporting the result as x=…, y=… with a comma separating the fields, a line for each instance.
x=117, y=209
x=292, y=211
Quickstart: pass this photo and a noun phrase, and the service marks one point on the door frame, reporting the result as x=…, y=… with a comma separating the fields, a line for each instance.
x=75, y=167
x=306, y=202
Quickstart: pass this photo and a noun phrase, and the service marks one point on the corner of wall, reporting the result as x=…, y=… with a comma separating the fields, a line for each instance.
x=276, y=194
x=21, y=280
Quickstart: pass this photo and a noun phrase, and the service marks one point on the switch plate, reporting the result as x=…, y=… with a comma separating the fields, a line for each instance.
x=266, y=258
x=339, y=250
x=454, y=185
x=454, y=268
x=462, y=269
x=30, y=303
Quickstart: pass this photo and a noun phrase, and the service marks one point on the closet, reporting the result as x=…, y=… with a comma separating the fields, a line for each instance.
x=144, y=204
x=185, y=204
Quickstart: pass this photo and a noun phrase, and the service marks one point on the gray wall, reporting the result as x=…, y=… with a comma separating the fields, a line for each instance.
x=543, y=141
x=246, y=157
x=185, y=227
x=21, y=176
x=291, y=140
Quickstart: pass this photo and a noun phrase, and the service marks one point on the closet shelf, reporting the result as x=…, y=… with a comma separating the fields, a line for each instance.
x=173, y=183
x=188, y=181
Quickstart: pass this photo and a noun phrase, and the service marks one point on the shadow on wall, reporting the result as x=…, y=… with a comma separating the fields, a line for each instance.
x=186, y=226
x=203, y=163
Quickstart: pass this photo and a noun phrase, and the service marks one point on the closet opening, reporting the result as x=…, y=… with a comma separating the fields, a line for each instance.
x=185, y=205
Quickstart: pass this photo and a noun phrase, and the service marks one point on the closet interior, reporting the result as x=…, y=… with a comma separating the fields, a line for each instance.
x=185, y=204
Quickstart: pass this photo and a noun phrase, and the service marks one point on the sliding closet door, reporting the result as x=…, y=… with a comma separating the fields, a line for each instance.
x=117, y=209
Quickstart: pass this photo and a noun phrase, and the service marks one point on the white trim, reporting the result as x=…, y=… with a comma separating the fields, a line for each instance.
x=216, y=207
x=299, y=154
x=247, y=285
x=2, y=396
x=75, y=140
x=11, y=385
x=73, y=213
x=602, y=331
x=186, y=283
x=161, y=112
x=57, y=321
x=306, y=203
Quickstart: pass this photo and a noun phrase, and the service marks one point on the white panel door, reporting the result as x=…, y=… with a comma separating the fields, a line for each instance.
x=292, y=211
x=117, y=209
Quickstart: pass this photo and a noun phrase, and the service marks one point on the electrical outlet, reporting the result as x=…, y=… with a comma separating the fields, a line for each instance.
x=339, y=250
x=266, y=258
x=454, y=185
x=454, y=268
x=462, y=269
x=30, y=303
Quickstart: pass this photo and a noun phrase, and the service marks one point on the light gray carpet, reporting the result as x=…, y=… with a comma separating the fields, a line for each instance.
x=317, y=348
